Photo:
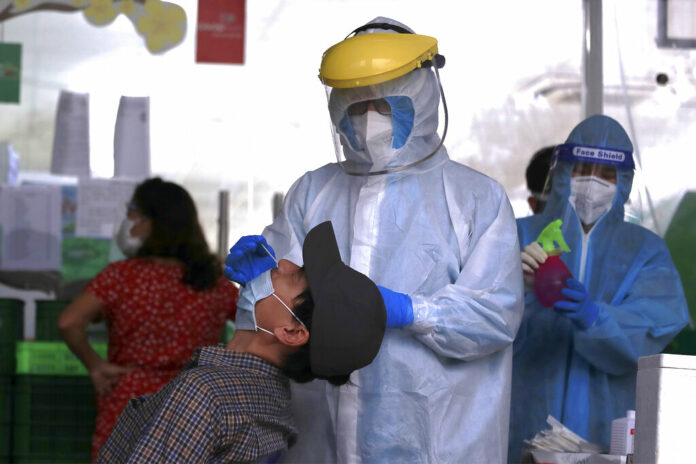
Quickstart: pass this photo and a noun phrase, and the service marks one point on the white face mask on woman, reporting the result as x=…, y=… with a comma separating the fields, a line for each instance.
x=591, y=197
x=128, y=244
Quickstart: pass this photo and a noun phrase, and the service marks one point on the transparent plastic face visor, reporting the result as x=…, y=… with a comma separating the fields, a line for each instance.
x=604, y=172
x=357, y=164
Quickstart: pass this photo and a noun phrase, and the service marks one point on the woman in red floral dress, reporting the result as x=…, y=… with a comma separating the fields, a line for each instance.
x=168, y=298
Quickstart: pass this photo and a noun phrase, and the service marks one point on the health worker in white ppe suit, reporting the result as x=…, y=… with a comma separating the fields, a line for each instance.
x=440, y=241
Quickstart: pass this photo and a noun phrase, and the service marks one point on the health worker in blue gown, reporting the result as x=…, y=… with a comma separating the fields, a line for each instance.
x=577, y=361
x=438, y=237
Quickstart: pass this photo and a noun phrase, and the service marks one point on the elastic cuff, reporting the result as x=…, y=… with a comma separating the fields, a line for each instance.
x=423, y=315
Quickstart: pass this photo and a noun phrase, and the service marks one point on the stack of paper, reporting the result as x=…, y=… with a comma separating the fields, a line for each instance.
x=30, y=218
x=9, y=164
x=101, y=205
x=560, y=438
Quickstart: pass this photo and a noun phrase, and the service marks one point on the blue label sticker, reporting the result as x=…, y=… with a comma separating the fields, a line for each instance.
x=600, y=155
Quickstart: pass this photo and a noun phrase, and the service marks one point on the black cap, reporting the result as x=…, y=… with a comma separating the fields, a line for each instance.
x=349, y=317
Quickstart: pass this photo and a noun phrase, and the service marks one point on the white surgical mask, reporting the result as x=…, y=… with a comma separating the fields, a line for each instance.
x=375, y=132
x=128, y=244
x=255, y=290
x=591, y=197
x=256, y=326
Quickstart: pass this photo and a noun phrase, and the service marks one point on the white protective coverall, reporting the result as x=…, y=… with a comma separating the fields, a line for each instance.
x=445, y=234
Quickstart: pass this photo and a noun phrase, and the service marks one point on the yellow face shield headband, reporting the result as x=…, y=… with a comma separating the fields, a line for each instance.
x=369, y=59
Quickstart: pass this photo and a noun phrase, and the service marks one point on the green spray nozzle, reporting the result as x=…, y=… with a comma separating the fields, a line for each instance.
x=552, y=233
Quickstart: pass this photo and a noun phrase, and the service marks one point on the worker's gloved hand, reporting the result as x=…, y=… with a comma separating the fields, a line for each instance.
x=399, y=308
x=532, y=256
x=581, y=309
x=248, y=259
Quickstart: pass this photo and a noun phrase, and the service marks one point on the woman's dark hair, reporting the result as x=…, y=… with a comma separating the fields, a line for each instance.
x=176, y=232
x=297, y=366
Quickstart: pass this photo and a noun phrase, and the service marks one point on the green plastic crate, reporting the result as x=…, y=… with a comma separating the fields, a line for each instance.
x=11, y=319
x=5, y=442
x=11, y=330
x=6, y=399
x=43, y=460
x=47, y=312
x=37, y=442
x=54, y=400
x=7, y=358
x=54, y=419
x=52, y=358
x=6, y=418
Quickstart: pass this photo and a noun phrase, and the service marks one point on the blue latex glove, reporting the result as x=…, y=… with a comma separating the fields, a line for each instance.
x=248, y=259
x=581, y=309
x=399, y=308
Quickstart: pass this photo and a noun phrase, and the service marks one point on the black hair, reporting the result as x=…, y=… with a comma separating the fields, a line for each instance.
x=176, y=232
x=297, y=366
x=538, y=169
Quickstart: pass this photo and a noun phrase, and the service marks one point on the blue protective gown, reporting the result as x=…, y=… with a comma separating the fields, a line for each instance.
x=587, y=378
x=439, y=389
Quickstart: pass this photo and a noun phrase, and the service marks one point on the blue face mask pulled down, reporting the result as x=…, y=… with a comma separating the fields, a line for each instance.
x=257, y=289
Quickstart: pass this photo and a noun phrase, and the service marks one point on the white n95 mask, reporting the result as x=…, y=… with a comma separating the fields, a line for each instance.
x=128, y=244
x=255, y=290
x=375, y=132
x=591, y=197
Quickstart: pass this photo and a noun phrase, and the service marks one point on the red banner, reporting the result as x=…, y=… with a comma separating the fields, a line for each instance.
x=220, y=31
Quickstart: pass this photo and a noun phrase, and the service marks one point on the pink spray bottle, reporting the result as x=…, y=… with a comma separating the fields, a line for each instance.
x=552, y=274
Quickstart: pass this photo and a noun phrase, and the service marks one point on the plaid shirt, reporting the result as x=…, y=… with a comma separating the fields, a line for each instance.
x=223, y=407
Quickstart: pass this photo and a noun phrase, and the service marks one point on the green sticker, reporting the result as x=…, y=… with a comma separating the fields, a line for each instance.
x=10, y=71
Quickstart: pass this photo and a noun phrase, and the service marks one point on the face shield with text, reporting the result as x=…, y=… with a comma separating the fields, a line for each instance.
x=594, y=173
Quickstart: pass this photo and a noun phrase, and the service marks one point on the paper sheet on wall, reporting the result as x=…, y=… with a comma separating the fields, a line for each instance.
x=132, y=138
x=101, y=204
x=9, y=164
x=83, y=257
x=31, y=228
x=71, y=138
